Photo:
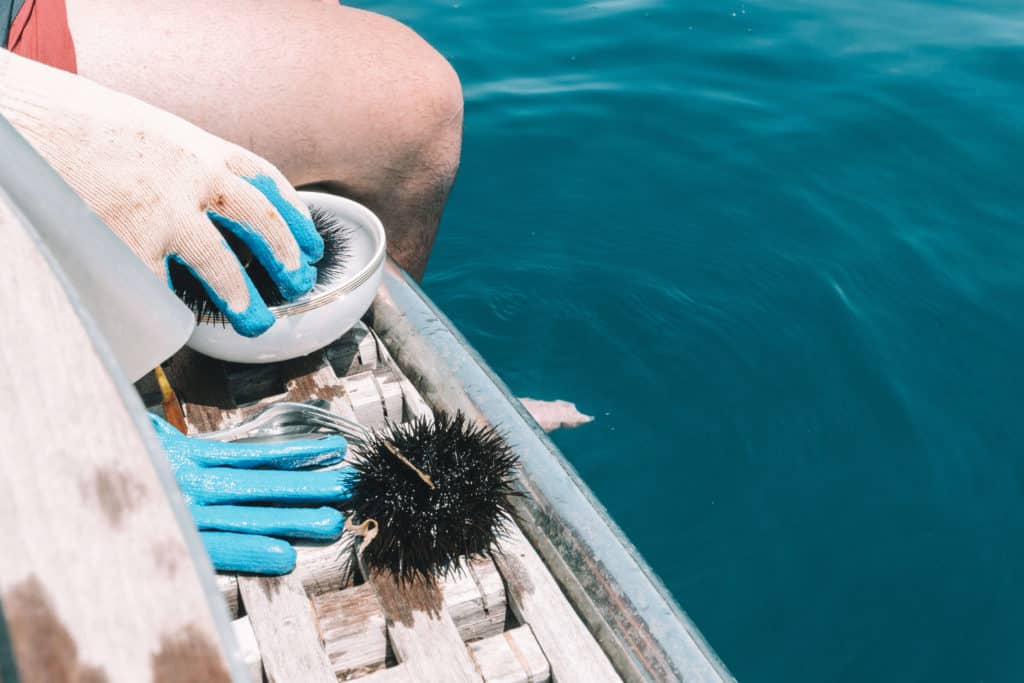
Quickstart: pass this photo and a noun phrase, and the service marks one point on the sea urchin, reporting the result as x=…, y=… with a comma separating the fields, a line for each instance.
x=337, y=247
x=439, y=491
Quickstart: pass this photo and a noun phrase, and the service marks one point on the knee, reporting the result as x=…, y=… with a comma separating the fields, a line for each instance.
x=432, y=87
x=420, y=104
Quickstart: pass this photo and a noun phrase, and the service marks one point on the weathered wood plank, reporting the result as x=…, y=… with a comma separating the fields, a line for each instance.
x=422, y=633
x=394, y=674
x=390, y=389
x=320, y=383
x=536, y=599
x=511, y=657
x=324, y=568
x=475, y=598
x=228, y=585
x=366, y=400
x=283, y=621
x=368, y=345
x=353, y=629
x=413, y=404
x=96, y=581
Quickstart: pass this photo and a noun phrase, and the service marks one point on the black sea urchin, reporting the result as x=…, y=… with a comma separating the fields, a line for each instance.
x=337, y=243
x=439, y=491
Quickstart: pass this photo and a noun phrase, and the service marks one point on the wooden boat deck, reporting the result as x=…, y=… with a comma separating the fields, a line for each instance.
x=503, y=618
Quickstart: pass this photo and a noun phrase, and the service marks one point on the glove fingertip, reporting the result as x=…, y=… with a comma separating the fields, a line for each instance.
x=300, y=224
x=332, y=523
x=278, y=559
x=244, y=553
x=255, y=319
x=296, y=283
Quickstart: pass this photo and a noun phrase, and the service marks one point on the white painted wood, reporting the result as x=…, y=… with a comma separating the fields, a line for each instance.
x=353, y=630
x=412, y=403
x=475, y=598
x=527, y=650
x=248, y=648
x=390, y=389
x=228, y=585
x=368, y=347
x=96, y=582
x=511, y=657
x=325, y=568
x=362, y=393
x=395, y=674
x=285, y=627
x=422, y=633
x=536, y=599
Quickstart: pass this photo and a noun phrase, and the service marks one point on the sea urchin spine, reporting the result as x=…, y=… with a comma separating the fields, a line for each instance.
x=337, y=239
x=440, y=490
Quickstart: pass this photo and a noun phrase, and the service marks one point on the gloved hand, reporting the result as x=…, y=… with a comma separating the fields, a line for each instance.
x=161, y=183
x=220, y=480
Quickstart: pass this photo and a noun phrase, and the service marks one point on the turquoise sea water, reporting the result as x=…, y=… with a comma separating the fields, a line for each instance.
x=777, y=249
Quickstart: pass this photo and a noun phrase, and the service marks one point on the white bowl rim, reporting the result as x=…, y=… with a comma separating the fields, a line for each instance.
x=215, y=317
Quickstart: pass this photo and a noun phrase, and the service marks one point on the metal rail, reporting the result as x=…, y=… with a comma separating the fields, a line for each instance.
x=636, y=621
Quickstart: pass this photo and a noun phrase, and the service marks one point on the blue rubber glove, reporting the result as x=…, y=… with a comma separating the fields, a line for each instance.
x=221, y=482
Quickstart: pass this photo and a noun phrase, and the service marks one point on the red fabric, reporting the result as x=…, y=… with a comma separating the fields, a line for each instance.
x=40, y=32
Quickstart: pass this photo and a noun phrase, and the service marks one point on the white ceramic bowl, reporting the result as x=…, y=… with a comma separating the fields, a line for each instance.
x=317, y=319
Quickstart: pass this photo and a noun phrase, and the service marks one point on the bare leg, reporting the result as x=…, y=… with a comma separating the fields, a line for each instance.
x=337, y=97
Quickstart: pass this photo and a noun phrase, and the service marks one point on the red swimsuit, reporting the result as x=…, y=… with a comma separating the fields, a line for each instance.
x=40, y=31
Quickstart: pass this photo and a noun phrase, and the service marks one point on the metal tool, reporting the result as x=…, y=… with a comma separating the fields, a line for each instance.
x=287, y=420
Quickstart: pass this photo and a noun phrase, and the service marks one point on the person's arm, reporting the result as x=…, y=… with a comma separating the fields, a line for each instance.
x=166, y=187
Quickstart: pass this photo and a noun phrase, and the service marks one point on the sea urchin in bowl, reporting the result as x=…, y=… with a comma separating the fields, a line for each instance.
x=347, y=279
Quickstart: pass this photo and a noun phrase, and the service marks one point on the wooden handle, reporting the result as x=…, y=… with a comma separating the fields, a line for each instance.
x=171, y=405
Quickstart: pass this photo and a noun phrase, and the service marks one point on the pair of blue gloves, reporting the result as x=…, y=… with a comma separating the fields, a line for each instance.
x=235, y=492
